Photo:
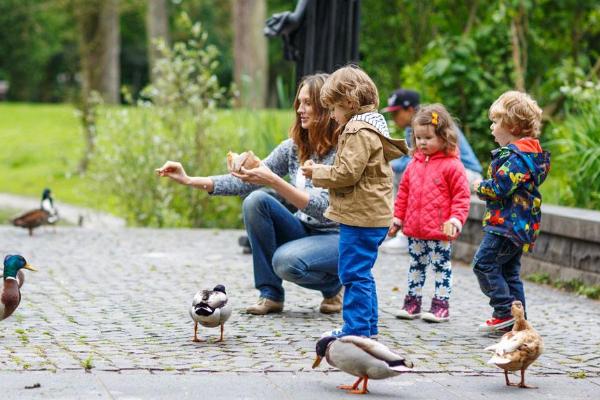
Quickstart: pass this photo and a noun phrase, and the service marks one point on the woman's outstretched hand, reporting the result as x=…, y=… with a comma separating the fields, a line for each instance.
x=261, y=175
x=175, y=171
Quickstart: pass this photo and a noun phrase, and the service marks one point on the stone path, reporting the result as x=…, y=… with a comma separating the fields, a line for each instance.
x=117, y=301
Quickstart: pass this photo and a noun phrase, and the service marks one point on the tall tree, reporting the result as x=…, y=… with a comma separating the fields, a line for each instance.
x=157, y=25
x=250, y=52
x=99, y=46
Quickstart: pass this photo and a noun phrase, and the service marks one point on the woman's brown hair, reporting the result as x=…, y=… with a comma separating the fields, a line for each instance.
x=442, y=122
x=321, y=137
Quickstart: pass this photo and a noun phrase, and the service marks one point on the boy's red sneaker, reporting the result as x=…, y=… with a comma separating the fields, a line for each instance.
x=496, y=324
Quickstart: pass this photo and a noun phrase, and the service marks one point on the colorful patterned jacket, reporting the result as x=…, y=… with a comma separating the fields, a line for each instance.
x=513, y=201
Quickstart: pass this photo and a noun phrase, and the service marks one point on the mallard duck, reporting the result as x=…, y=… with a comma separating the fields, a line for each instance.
x=361, y=357
x=210, y=309
x=14, y=278
x=46, y=214
x=518, y=348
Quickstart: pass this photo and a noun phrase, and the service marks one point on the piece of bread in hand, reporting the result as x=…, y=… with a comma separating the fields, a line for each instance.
x=247, y=159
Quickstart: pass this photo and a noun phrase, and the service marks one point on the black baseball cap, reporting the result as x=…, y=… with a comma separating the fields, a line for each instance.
x=402, y=99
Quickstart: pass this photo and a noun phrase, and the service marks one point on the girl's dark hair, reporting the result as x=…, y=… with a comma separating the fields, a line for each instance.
x=437, y=116
x=320, y=138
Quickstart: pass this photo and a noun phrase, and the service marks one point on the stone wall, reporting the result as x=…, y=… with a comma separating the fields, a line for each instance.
x=568, y=246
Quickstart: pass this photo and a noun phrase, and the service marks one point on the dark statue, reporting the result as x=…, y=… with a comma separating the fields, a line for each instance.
x=319, y=35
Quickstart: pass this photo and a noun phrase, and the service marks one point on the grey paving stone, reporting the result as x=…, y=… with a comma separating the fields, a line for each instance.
x=121, y=296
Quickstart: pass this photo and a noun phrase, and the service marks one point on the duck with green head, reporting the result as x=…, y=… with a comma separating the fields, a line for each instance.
x=10, y=295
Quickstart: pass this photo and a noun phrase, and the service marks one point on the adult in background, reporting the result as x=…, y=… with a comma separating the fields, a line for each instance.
x=300, y=247
x=403, y=105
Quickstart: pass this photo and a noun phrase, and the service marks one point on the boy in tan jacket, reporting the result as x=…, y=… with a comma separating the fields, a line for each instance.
x=360, y=191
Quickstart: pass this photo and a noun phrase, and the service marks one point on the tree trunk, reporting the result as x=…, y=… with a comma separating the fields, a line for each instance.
x=250, y=52
x=99, y=47
x=518, y=29
x=157, y=26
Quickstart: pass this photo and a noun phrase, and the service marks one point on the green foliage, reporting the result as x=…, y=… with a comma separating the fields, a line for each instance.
x=540, y=278
x=37, y=52
x=172, y=122
x=88, y=363
x=176, y=121
x=34, y=132
x=574, y=285
x=576, y=146
x=461, y=53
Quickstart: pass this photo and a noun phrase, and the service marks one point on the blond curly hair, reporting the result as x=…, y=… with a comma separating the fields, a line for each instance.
x=519, y=112
x=351, y=87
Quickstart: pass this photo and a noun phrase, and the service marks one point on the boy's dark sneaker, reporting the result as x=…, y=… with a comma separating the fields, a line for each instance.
x=439, y=312
x=497, y=324
x=411, y=308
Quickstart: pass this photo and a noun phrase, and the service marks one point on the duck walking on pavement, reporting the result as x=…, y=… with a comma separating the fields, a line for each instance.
x=362, y=357
x=10, y=293
x=210, y=309
x=518, y=348
x=46, y=214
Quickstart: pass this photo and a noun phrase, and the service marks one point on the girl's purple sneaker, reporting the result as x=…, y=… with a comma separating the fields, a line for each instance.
x=411, y=308
x=439, y=311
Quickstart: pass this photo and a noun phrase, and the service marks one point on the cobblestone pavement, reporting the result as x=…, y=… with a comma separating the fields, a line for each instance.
x=117, y=300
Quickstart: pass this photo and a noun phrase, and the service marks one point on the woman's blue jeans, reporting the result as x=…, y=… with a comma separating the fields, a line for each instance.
x=284, y=249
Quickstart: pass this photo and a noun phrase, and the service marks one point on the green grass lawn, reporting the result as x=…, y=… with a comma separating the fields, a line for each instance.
x=42, y=145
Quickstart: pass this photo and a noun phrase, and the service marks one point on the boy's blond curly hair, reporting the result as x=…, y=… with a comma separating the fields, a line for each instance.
x=443, y=124
x=519, y=112
x=351, y=87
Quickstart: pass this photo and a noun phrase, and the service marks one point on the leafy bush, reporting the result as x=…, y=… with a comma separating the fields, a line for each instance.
x=576, y=146
x=176, y=121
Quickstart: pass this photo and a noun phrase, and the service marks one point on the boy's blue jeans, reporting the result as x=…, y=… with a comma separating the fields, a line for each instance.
x=284, y=249
x=358, y=253
x=497, y=265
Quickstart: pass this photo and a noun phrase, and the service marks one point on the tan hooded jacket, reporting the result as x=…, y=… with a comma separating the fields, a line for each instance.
x=360, y=179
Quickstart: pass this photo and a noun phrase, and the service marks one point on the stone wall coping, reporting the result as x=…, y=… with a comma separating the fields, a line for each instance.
x=576, y=223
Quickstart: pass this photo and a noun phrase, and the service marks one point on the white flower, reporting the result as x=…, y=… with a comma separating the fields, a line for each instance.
x=435, y=257
x=417, y=247
x=416, y=276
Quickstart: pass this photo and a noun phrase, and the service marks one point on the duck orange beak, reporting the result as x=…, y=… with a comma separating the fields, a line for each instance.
x=29, y=267
x=317, y=362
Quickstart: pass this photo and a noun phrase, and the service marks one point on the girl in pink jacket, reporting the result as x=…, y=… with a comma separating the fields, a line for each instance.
x=431, y=207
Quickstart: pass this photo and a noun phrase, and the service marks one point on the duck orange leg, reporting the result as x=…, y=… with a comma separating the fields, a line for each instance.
x=522, y=384
x=351, y=387
x=364, y=389
x=506, y=379
x=195, y=339
x=221, y=339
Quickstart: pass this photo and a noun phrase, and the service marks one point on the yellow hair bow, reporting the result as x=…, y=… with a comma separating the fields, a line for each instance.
x=434, y=118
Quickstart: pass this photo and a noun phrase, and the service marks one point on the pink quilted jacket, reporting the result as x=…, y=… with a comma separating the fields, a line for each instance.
x=433, y=190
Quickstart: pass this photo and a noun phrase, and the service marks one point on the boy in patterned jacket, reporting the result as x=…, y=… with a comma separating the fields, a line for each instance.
x=513, y=203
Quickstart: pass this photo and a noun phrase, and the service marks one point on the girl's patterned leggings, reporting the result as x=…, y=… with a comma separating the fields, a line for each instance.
x=425, y=252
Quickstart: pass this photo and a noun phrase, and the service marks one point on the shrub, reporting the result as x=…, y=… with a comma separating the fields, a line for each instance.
x=576, y=146
x=175, y=121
